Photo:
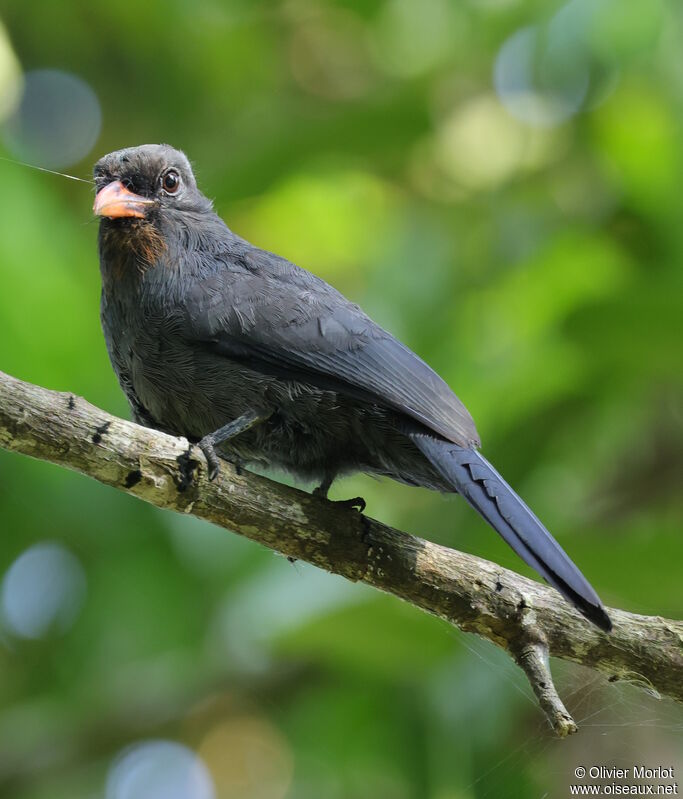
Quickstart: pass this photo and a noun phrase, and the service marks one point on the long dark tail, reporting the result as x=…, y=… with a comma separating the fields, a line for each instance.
x=472, y=475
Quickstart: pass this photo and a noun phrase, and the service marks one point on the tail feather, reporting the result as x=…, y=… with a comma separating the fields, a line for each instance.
x=472, y=476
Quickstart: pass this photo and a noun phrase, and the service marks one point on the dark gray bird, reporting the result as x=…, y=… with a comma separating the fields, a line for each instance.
x=239, y=349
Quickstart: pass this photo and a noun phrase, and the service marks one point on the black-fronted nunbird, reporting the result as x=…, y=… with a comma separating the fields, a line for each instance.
x=244, y=352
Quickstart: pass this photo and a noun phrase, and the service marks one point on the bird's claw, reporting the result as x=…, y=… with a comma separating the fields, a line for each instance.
x=355, y=502
x=212, y=460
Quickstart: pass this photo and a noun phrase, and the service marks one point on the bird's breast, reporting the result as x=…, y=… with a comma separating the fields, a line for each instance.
x=129, y=247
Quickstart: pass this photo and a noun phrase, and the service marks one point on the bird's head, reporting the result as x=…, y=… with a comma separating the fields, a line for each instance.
x=147, y=199
x=145, y=182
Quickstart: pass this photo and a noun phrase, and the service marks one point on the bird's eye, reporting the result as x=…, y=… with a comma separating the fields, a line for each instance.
x=170, y=181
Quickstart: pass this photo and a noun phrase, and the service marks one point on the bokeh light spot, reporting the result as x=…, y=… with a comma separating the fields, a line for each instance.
x=540, y=77
x=56, y=122
x=42, y=591
x=249, y=759
x=479, y=145
x=159, y=770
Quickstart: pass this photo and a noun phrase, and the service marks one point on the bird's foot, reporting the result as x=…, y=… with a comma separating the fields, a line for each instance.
x=213, y=461
x=354, y=502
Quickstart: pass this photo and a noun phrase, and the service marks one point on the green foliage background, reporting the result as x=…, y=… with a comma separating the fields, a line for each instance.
x=537, y=269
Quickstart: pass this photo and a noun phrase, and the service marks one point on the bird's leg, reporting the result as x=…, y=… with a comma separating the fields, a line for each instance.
x=225, y=433
x=324, y=487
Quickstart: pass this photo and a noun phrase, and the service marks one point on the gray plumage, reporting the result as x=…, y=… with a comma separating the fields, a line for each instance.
x=202, y=327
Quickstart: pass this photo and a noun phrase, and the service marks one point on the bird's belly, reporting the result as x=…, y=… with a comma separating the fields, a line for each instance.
x=188, y=396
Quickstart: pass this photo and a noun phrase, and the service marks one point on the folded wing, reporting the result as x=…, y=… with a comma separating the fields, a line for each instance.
x=284, y=321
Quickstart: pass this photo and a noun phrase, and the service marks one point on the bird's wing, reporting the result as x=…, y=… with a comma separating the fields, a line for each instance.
x=282, y=320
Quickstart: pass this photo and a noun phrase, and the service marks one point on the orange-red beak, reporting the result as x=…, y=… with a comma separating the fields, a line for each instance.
x=115, y=201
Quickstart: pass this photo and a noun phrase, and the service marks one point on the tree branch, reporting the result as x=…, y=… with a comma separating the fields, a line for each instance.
x=528, y=620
